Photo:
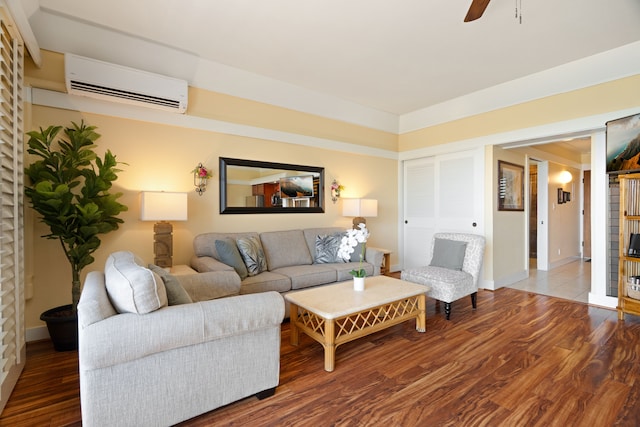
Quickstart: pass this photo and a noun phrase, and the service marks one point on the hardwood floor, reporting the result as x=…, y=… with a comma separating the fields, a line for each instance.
x=520, y=359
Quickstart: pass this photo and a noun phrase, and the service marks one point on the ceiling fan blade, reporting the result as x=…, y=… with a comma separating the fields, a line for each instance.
x=476, y=10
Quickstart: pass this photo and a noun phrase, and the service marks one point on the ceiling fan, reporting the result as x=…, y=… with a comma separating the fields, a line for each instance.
x=476, y=10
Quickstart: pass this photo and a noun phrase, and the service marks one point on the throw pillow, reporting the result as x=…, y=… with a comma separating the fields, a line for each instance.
x=448, y=254
x=131, y=287
x=229, y=254
x=327, y=248
x=176, y=294
x=252, y=254
x=359, y=251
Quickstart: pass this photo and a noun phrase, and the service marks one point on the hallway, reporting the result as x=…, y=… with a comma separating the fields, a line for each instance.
x=570, y=281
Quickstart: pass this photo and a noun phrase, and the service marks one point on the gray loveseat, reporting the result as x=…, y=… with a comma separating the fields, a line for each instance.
x=292, y=257
x=145, y=363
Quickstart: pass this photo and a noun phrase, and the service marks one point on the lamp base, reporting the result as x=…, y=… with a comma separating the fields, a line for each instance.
x=357, y=221
x=163, y=244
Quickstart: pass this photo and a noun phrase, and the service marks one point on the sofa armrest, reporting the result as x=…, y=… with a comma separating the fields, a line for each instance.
x=126, y=337
x=210, y=285
x=374, y=256
x=206, y=263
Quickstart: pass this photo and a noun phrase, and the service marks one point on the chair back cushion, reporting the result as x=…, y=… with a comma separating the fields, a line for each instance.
x=285, y=249
x=474, y=251
x=448, y=254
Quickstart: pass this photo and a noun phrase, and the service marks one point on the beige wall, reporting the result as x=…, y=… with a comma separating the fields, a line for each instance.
x=509, y=257
x=160, y=157
x=564, y=219
x=611, y=96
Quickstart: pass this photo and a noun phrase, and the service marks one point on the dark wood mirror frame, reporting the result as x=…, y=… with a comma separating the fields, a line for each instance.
x=318, y=181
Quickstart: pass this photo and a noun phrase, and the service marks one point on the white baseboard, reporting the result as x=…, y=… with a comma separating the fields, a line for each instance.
x=563, y=261
x=603, y=301
x=509, y=280
x=37, y=334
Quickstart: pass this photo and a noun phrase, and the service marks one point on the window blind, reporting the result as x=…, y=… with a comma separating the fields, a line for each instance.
x=12, y=334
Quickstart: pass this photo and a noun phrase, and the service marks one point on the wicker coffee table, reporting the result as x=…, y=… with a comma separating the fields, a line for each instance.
x=336, y=314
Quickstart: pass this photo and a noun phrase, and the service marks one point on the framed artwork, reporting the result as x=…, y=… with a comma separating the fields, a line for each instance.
x=623, y=136
x=296, y=186
x=560, y=196
x=510, y=186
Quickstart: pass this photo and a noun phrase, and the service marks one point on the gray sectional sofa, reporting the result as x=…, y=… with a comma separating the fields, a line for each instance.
x=295, y=259
x=145, y=362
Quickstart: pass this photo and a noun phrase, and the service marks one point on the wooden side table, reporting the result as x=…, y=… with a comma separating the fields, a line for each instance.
x=386, y=260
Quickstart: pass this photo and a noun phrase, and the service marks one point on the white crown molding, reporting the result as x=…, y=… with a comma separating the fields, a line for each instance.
x=233, y=81
x=59, y=33
x=527, y=136
x=61, y=100
x=603, y=67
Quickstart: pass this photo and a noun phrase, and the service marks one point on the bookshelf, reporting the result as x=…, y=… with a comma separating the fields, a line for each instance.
x=629, y=263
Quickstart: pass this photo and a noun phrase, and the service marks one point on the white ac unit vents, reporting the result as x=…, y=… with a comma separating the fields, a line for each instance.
x=102, y=80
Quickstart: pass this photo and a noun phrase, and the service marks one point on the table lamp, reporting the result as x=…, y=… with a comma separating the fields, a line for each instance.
x=163, y=207
x=359, y=209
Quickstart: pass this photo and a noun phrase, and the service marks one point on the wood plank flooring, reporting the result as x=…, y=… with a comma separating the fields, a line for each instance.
x=520, y=359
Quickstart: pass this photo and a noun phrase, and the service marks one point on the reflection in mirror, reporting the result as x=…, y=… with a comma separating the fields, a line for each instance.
x=250, y=186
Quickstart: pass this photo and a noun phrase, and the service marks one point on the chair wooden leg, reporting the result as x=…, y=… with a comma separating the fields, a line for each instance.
x=474, y=299
x=447, y=309
x=266, y=393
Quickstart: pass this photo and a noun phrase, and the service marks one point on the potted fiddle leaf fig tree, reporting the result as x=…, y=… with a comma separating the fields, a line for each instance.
x=69, y=185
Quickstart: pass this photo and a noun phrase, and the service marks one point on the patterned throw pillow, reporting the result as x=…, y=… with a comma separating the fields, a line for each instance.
x=327, y=248
x=253, y=255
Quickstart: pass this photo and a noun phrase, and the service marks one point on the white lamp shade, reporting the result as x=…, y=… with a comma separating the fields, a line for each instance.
x=163, y=206
x=366, y=208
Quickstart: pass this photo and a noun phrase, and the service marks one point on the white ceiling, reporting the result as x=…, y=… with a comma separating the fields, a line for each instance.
x=393, y=56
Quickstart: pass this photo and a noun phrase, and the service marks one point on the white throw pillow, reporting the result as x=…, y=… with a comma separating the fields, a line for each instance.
x=133, y=288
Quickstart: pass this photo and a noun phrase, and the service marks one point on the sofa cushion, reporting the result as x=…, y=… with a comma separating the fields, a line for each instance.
x=252, y=254
x=285, y=248
x=448, y=254
x=229, y=254
x=265, y=281
x=344, y=269
x=305, y=276
x=176, y=294
x=133, y=288
x=327, y=248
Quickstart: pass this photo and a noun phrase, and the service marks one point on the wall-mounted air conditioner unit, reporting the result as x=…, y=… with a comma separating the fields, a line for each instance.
x=102, y=80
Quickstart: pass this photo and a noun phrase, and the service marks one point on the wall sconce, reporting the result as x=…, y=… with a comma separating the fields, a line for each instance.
x=336, y=188
x=162, y=207
x=359, y=208
x=201, y=177
x=565, y=177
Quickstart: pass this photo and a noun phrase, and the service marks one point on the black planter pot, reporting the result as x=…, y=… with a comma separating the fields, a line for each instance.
x=62, y=324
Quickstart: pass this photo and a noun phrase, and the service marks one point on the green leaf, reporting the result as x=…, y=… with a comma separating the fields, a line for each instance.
x=68, y=186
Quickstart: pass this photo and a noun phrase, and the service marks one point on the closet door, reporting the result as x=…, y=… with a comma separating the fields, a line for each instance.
x=441, y=193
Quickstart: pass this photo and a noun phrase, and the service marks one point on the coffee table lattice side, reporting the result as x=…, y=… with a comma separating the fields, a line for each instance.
x=333, y=332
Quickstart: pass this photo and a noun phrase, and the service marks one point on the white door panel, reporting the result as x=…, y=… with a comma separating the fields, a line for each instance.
x=441, y=193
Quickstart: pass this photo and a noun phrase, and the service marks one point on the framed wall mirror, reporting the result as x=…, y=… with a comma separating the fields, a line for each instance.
x=251, y=186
